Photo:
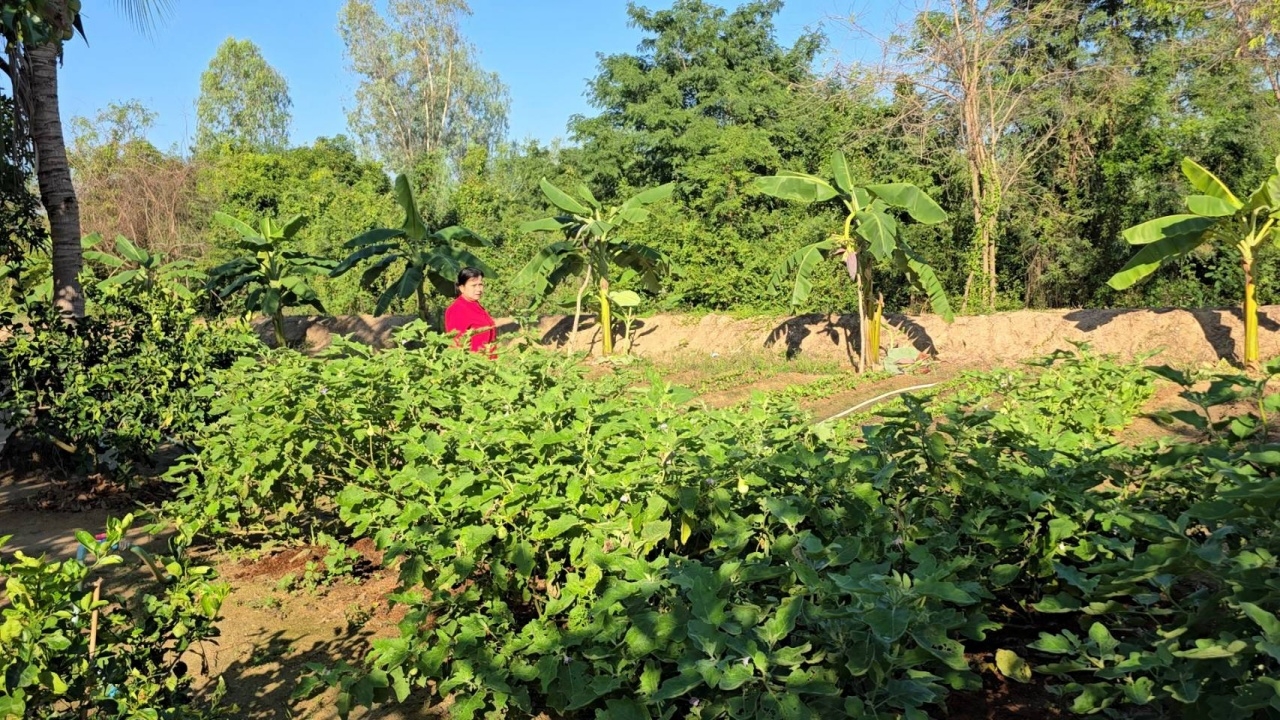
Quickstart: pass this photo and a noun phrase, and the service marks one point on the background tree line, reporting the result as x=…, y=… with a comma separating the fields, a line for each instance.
x=1043, y=127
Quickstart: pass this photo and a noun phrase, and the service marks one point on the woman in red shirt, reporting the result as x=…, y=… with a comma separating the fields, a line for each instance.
x=466, y=316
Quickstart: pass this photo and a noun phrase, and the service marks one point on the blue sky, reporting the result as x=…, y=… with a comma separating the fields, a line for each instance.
x=544, y=51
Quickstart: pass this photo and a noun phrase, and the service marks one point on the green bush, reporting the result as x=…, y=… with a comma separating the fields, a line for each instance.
x=112, y=387
x=586, y=549
x=52, y=667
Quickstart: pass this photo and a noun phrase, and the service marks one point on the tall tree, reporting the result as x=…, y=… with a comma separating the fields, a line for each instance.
x=244, y=102
x=711, y=100
x=423, y=97
x=34, y=31
x=977, y=71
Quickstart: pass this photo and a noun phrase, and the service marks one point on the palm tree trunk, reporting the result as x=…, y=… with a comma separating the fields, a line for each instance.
x=54, y=174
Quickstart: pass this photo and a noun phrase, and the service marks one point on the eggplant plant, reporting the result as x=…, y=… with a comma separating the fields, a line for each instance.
x=870, y=234
x=1216, y=215
x=591, y=248
x=425, y=255
x=275, y=278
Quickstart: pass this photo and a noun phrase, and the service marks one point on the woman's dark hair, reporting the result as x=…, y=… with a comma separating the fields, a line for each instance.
x=467, y=274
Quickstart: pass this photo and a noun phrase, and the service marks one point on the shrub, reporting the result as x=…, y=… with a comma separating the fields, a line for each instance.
x=112, y=387
x=54, y=666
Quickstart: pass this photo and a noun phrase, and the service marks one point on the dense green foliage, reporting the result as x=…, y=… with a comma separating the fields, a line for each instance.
x=578, y=547
x=272, y=275
x=422, y=255
x=244, y=102
x=111, y=389
x=1113, y=95
x=53, y=666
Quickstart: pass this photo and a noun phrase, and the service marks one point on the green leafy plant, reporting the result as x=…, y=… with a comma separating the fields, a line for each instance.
x=1216, y=215
x=70, y=646
x=135, y=265
x=870, y=232
x=273, y=277
x=592, y=248
x=110, y=389
x=426, y=255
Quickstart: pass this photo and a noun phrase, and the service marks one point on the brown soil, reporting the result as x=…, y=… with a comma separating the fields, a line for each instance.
x=1186, y=337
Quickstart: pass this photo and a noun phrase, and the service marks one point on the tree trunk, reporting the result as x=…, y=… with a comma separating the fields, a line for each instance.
x=277, y=324
x=54, y=174
x=862, y=323
x=422, y=304
x=1250, y=317
x=577, y=311
x=606, y=318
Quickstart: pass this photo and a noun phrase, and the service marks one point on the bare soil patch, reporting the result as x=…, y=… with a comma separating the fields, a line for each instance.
x=1186, y=337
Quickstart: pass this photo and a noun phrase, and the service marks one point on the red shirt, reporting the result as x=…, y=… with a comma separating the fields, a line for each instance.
x=465, y=316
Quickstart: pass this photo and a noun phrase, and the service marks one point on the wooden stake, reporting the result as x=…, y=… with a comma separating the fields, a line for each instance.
x=93, y=618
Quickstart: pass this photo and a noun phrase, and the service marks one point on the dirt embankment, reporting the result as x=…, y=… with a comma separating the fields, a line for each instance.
x=1184, y=336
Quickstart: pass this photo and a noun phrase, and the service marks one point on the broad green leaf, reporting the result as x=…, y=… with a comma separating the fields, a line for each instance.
x=624, y=298
x=802, y=263
x=292, y=226
x=584, y=192
x=924, y=278
x=409, y=282
x=456, y=234
x=413, y=225
x=840, y=171
x=550, y=224
x=359, y=256
x=1211, y=650
x=1166, y=227
x=376, y=236
x=1012, y=666
x=650, y=196
x=539, y=275
x=1265, y=620
x=915, y=201
x=130, y=251
x=625, y=709
x=880, y=231
x=12, y=707
x=1150, y=257
x=374, y=271
x=387, y=297
x=889, y=623
x=783, y=621
x=798, y=189
x=1208, y=183
x=563, y=200
x=1209, y=206
x=230, y=222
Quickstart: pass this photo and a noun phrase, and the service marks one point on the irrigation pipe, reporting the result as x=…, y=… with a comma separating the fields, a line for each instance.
x=873, y=400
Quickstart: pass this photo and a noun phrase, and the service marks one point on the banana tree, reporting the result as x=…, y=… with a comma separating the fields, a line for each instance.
x=133, y=264
x=591, y=248
x=1217, y=215
x=425, y=255
x=275, y=278
x=870, y=234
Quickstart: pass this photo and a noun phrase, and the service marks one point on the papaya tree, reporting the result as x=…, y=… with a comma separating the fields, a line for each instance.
x=274, y=277
x=1218, y=216
x=869, y=235
x=592, y=248
x=422, y=254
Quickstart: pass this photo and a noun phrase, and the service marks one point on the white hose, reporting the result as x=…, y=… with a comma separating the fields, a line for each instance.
x=860, y=405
